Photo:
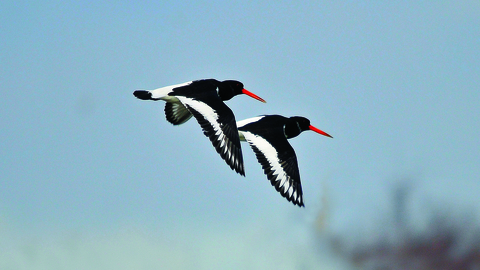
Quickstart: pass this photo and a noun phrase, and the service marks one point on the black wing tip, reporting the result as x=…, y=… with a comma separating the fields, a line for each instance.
x=240, y=171
x=234, y=161
x=296, y=188
x=300, y=204
x=237, y=166
x=143, y=94
x=298, y=201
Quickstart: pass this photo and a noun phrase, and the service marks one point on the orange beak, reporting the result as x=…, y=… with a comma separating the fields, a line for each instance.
x=250, y=94
x=319, y=131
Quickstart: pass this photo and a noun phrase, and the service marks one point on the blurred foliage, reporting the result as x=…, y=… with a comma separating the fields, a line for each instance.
x=447, y=242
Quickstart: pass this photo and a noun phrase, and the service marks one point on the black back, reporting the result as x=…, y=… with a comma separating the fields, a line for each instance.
x=225, y=89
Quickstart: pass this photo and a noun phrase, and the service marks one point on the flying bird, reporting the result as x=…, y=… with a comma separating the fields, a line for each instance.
x=268, y=136
x=203, y=99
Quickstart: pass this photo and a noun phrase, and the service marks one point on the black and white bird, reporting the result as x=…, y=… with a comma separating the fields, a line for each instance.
x=203, y=99
x=267, y=135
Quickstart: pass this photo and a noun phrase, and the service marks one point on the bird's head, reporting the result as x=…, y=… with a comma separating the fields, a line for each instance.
x=298, y=124
x=230, y=88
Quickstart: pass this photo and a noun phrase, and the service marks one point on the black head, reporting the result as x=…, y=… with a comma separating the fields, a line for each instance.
x=302, y=122
x=230, y=88
x=298, y=124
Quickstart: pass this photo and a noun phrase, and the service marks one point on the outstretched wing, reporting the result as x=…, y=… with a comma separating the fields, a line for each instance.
x=279, y=163
x=218, y=124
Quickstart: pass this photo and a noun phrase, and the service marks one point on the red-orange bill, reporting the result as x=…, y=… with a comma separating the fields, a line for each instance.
x=319, y=131
x=250, y=94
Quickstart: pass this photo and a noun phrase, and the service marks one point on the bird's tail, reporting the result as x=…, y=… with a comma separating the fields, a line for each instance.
x=143, y=94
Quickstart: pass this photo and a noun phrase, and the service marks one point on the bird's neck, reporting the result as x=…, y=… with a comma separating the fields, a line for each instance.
x=292, y=129
x=224, y=93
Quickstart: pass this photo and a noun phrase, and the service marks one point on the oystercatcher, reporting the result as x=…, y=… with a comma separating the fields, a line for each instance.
x=204, y=100
x=267, y=135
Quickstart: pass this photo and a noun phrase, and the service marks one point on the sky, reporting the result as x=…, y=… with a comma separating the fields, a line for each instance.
x=91, y=177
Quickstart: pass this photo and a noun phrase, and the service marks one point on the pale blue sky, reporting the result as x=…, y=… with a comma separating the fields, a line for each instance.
x=396, y=84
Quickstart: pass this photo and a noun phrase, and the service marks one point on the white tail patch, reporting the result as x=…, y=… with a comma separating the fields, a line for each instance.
x=162, y=93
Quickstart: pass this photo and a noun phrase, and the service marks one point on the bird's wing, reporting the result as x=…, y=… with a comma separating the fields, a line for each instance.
x=279, y=163
x=218, y=124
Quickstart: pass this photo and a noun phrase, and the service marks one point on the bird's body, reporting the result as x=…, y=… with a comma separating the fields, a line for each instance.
x=203, y=99
x=267, y=136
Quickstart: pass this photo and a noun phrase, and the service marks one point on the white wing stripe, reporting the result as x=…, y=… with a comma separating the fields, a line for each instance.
x=211, y=116
x=222, y=142
x=207, y=112
x=271, y=155
x=284, y=180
